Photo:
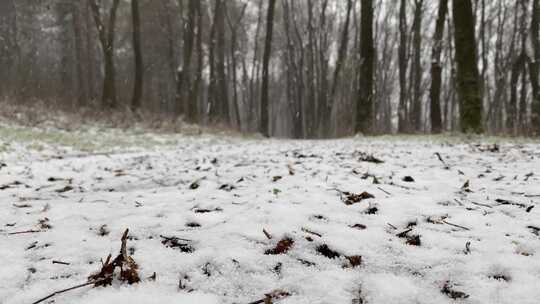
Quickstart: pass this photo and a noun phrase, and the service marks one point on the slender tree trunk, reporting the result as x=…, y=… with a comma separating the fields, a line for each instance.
x=342, y=53
x=264, y=127
x=323, y=113
x=253, y=88
x=436, y=68
x=90, y=54
x=197, y=87
x=534, y=69
x=81, y=65
x=8, y=47
x=106, y=38
x=500, y=74
x=224, y=115
x=522, y=114
x=137, y=52
x=184, y=94
x=511, y=118
x=213, y=111
x=403, y=63
x=416, y=113
x=467, y=70
x=233, y=26
x=364, y=111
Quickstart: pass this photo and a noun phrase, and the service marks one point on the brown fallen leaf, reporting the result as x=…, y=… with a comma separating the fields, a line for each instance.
x=354, y=261
x=353, y=198
x=358, y=226
x=327, y=252
x=282, y=246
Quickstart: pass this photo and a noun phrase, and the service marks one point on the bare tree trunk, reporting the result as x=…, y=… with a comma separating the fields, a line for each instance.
x=184, y=94
x=8, y=47
x=364, y=111
x=90, y=54
x=436, y=68
x=213, y=111
x=323, y=112
x=534, y=69
x=106, y=38
x=467, y=75
x=403, y=63
x=194, y=109
x=233, y=26
x=137, y=51
x=416, y=113
x=81, y=65
x=495, y=116
x=253, y=88
x=342, y=53
x=264, y=127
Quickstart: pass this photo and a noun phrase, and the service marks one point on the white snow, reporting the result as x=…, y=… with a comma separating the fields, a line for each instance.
x=149, y=192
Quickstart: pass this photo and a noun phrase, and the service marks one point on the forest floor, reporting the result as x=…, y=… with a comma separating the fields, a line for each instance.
x=239, y=220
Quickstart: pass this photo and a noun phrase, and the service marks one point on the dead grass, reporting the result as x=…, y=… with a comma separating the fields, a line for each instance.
x=89, y=130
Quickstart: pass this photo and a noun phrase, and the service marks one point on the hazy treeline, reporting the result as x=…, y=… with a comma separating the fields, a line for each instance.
x=295, y=68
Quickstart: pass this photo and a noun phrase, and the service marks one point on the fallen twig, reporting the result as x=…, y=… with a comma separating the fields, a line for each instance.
x=392, y=226
x=267, y=234
x=442, y=161
x=458, y=202
x=458, y=226
x=311, y=232
x=384, y=191
x=483, y=205
x=68, y=289
x=23, y=232
x=274, y=295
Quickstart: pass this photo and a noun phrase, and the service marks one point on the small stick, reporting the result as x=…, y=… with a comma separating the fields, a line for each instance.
x=311, y=232
x=67, y=289
x=60, y=262
x=442, y=161
x=392, y=226
x=169, y=238
x=483, y=205
x=458, y=226
x=23, y=232
x=384, y=191
x=268, y=235
x=467, y=248
x=457, y=201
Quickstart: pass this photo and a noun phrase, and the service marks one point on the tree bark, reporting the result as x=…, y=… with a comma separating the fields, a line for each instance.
x=416, y=113
x=364, y=111
x=8, y=47
x=467, y=70
x=106, y=38
x=534, y=69
x=436, y=68
x=137, y=52
x=184, y=95
x=402, y=66
x=264, y=127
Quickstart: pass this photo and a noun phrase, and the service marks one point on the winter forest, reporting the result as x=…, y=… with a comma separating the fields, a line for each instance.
x=269, y=151
x=298, y=69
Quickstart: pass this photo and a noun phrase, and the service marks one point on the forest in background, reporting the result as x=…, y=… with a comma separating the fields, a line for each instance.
x=286, y=68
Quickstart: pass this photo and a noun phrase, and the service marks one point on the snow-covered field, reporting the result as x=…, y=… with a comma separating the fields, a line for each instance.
x=206, y=215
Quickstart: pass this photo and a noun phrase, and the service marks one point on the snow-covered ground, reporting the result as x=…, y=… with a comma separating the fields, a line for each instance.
x=424, y=237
